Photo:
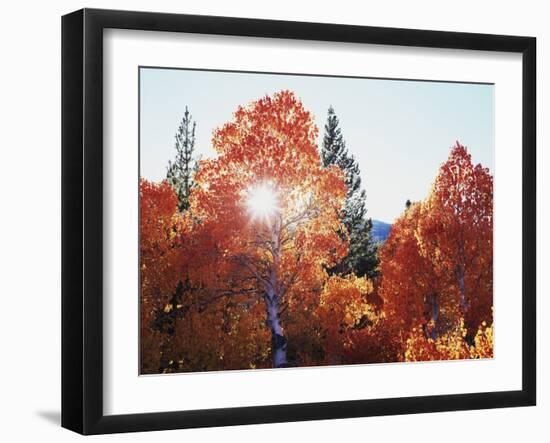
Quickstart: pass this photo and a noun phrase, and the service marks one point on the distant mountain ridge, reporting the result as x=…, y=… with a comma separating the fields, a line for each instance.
x=380, y=230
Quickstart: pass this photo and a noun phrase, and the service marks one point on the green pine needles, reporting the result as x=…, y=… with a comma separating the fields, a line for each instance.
x=362, y=259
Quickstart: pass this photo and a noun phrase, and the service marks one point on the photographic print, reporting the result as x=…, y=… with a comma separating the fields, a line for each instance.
x=294, y=220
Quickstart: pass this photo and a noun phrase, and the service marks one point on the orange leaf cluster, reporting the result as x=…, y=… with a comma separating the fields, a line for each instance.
x=227, y=285
x=437, y=263
x=159, y=227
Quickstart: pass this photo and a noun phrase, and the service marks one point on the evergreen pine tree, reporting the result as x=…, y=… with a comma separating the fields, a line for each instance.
x=362, y=257
x=181, y=171
x=180, y=175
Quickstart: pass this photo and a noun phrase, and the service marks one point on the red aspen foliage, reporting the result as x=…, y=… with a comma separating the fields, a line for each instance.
x=456, y=234
x=239, y=280
x=436, y=265
x=159, y=227
x=408, y=280
x=268, y=209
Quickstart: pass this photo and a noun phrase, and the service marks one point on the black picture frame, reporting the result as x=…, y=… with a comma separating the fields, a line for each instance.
x=82, y=218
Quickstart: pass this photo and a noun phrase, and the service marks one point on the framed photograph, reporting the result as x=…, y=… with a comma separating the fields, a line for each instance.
x=269, y=221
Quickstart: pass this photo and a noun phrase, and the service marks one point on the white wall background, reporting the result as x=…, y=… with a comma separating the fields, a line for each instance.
x=30, y=218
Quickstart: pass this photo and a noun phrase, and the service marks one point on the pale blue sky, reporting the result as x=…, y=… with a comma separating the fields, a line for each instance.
x=399, y=131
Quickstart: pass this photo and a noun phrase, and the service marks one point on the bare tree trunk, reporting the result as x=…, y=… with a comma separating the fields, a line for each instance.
x=460, y=273
x=461, y=288
x=278, y=341
x=435, y=316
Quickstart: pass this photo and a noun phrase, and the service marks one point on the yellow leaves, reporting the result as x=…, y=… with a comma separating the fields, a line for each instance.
x=451, y=345
x=483, y=342
x=222, y=334
x=343, y=306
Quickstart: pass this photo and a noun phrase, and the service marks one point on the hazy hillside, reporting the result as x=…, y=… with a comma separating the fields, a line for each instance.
x=380, y=230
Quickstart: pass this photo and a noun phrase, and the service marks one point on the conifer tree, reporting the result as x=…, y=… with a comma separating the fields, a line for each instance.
x=181, y=171
x=362, y=258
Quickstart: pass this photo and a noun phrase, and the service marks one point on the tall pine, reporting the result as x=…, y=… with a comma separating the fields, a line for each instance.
x=179, y=174
x=362, y=257
x=181, y=171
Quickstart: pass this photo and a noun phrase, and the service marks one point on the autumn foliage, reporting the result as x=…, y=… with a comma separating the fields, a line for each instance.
x=239, y=280
x=437, y=264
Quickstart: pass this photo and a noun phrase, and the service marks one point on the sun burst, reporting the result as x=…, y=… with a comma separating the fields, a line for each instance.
x=262, y=202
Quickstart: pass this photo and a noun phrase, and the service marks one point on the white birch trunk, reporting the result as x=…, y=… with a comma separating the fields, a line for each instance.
x=278, y=341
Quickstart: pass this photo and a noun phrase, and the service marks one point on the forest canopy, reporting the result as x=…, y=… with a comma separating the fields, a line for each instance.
x=262, y=256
